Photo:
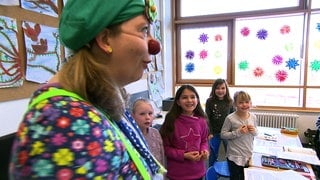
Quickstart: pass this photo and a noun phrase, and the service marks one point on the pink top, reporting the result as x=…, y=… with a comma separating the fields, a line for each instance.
x=190, y=134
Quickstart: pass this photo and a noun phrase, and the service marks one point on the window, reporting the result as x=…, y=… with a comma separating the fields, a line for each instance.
x=268, y=48
x=205, y=7
x=206, y=51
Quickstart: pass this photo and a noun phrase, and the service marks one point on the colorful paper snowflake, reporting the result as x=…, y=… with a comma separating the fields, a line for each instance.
x=318, y=26
x=217, y=70
x=316, y=44
x=190, y=67
x=262, y=34
x=203, y=54
x=190, y=54
x=277, y=59
x=281, y=75
x=218, y=37
x=315, y=65
x=292, y=63
x=285, y=29
x=245, y=31
x=243, y=65
x=217, y=54
x=203, y=38
x=258, y=72
x=289, y=47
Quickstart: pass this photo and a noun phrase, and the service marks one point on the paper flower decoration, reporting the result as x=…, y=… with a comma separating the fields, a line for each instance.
x=190, y=54
x=258, y=72
x=285, y=29
x=315, y=65
x=243, y=65
x=189, y=67
x=203, y=54
x=292, y=63
x=203, y=38
x=262, y=34
x=218, y=37
x=281, y=75
x=245, y=31
x=277, y=59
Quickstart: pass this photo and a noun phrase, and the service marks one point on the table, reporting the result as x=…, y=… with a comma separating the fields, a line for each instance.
x=159, y=120
x=271, y=141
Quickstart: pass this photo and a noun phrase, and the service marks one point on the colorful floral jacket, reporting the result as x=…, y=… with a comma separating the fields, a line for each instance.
x=66, y=138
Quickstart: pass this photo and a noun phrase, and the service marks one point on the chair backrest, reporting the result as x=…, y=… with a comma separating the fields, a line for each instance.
x=222, y=168
x=214, y=147
x=5, y=154
x=217, y=168
x=211, y=174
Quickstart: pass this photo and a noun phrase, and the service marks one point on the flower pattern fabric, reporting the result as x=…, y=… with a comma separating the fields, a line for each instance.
x=67, y=138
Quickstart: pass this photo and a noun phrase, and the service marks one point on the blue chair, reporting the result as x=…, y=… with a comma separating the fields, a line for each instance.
x=217, y=168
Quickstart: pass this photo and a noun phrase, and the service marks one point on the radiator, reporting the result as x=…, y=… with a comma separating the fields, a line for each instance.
x=276, y=120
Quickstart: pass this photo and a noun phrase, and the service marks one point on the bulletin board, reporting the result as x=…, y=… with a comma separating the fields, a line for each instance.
x=30, y=52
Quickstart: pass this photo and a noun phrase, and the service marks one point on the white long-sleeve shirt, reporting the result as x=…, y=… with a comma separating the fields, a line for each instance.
x=240, y=146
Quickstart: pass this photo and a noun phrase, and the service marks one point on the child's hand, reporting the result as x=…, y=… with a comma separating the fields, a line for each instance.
x=192, y=155
x=204, y=155
x=251, y=128
x=244, y=129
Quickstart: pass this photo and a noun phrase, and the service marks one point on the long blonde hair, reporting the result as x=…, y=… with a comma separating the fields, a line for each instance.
x=85, y=74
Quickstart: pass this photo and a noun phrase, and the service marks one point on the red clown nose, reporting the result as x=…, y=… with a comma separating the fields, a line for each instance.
x=154, y=47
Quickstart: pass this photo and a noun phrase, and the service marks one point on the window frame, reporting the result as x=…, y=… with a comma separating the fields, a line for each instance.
x=179, y=22
x=228, y=24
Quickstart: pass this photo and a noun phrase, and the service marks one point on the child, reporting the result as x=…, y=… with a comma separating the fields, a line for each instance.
x=218, y=106
x=185, y=136
x=143, y=113
x=239, y=129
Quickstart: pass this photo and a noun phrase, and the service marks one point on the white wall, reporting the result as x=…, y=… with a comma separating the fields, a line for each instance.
x=11, y=113
x=166, y=25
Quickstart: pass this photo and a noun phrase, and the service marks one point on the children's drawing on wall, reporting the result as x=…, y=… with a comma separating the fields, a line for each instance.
x=9, y=2
x=156, y=63
x=48, y=7
x=11, y=74
x=156, y=87
x=43, y=51
x=157, y=30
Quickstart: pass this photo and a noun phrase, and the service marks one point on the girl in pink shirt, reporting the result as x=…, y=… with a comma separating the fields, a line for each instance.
x=185, y=136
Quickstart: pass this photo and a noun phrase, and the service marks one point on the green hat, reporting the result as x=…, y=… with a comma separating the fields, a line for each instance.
x=82, y=20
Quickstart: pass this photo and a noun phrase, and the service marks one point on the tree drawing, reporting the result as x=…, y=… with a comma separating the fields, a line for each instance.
x=11, y=74
x=43, y=51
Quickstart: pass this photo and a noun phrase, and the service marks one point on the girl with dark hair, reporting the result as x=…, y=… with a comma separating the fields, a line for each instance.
x=218, y=106
x=185, y=136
